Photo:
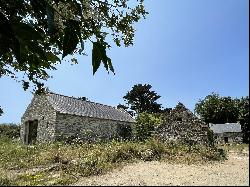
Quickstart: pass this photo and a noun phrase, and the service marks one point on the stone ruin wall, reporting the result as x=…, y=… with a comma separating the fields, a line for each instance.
x=182, y=125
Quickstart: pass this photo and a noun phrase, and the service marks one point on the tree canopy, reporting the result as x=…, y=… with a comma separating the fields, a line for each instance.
x=141, y=99
x=216, y=109
x=36, y=35
x=243, y=118
x=122, y=106
x=126, y=108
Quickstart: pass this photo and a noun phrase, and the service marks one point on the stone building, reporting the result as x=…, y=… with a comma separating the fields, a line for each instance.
x=183, y=126
x=50, y=117
x=227, y=133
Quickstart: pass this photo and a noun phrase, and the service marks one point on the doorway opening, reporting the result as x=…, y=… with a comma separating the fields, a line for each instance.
x=30, y=131
x=226, y=139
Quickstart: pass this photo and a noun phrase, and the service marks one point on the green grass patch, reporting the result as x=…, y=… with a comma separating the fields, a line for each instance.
x=62, y=164
x=4, y=181
x=234, y=147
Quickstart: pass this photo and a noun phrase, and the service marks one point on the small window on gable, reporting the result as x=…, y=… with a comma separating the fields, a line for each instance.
x=179, y=119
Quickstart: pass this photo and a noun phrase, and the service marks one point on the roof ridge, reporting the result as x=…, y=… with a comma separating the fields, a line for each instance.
x=77, y=106
x=81, y=100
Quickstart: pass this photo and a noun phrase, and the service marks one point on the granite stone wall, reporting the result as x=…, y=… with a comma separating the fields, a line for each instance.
x=41, y=110
x=183, y=132
x=228, y=137
x=67, y=125
x=183, y=126
x=53, y=125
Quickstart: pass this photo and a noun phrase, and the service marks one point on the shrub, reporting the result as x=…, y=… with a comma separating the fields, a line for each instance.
x=210, y=136
x=145, y=125
x=9, y=130
x=124, y=132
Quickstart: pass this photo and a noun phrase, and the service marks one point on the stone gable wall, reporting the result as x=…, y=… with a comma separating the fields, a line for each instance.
x=41, y=110
x=183, y=132
x=183, y=126
x=67, y=125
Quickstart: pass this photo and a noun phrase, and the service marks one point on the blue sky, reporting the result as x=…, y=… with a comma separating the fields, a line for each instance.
x=186, y=49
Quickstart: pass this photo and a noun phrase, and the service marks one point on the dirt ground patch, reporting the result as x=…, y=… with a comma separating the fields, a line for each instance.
x=232, y=172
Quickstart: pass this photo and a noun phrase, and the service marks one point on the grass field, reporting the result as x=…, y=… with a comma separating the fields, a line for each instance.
x=62, y=164
x=233, y=147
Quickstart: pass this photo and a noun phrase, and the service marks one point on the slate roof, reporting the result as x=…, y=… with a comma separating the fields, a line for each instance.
x=74, y=106
x=227, y=127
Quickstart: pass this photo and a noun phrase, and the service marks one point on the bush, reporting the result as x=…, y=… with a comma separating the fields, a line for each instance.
x=210, y=135
x=9, y=130
x=145, y=125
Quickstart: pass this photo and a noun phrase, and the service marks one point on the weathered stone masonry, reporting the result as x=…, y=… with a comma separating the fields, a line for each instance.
x=227, y=133
x=181, y=125
x=40, y=109
x=61, y=117
x=86, y=127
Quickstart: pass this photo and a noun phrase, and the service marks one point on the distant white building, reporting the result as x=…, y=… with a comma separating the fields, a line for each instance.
x=227, y=132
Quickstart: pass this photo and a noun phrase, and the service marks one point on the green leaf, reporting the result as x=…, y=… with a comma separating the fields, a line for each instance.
x=76, y=26
x=25, y=31
x=16, y=49
x=39, y=7
x=99, y=55
x=25, y=85
x=96, y=59
x=70, y=41
x=74, y=61
x=105, y=62
x=110, y=65
x=36, y=49
x=82, y=49
x=52, y=57
x=50, y=19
